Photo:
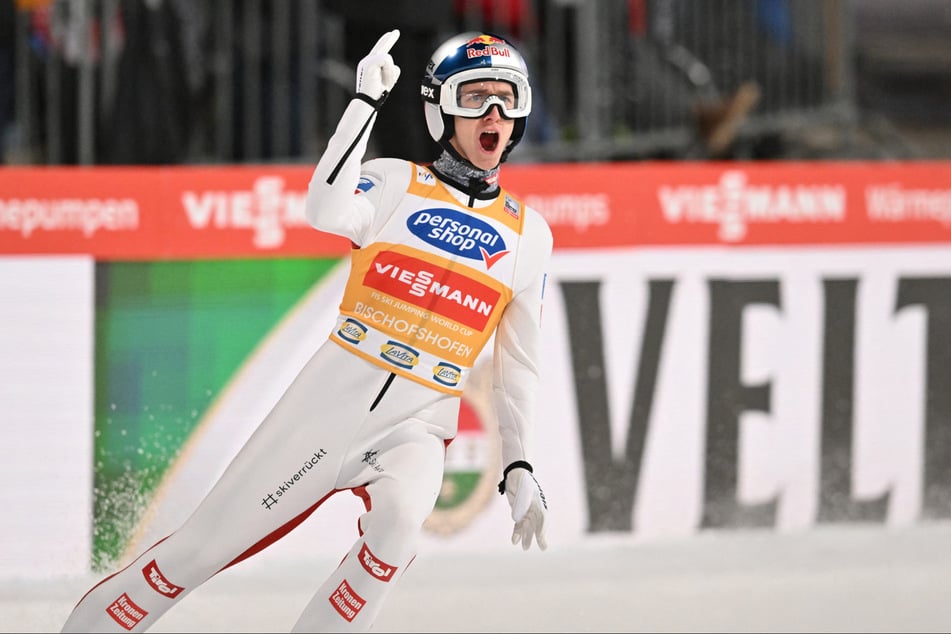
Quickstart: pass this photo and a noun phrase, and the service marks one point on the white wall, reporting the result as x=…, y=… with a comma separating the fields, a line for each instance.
x=46, y=414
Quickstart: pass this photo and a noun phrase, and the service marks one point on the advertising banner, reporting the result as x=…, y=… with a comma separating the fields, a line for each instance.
x=146, y=213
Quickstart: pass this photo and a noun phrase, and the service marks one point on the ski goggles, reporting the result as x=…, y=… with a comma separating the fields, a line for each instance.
x=461, y=94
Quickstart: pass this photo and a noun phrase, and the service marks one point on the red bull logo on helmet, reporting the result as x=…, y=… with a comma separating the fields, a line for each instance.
x=487, y=46
x=488, y=51
x=485, y=39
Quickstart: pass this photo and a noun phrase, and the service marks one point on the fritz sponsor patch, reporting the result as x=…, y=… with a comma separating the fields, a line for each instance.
x=159, y=583
x=126, y=613
x=352, y=331
x=399, y=354
x=346, y=602
x=374, y=566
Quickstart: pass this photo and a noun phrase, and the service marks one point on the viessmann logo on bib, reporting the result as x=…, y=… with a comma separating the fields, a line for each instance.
x=431, y=287
x=458, y=233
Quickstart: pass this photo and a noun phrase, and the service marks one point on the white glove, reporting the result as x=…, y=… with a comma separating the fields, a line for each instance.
x=529, y=508
x=376, y=73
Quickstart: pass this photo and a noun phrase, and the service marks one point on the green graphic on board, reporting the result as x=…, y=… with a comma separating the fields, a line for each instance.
x=169, y=337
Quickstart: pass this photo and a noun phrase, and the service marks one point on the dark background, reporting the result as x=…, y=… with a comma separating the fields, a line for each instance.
x=224, y=81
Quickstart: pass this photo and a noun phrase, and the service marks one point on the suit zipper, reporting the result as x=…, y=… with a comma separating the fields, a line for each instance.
x=383, y=390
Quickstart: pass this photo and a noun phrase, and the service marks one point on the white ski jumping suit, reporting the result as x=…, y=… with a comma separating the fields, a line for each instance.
x=434, y=274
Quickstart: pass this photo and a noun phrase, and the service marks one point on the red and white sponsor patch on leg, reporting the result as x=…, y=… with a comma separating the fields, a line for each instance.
x=126, y=613
x=347, y=602
x=159, y=583
x=373, y=565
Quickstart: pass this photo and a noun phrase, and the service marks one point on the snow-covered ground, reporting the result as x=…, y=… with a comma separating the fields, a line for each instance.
x=845, y=579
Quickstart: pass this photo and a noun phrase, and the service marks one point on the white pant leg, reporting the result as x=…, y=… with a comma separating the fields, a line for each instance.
x=404, y=473
x=289, y=463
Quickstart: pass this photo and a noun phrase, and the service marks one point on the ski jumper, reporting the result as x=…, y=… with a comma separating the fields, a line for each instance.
x=435, y=274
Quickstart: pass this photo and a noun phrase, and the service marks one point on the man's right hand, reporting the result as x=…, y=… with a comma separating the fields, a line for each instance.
x=376, y=73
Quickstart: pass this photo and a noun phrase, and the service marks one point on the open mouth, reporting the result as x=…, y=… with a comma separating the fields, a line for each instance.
x=489, y=141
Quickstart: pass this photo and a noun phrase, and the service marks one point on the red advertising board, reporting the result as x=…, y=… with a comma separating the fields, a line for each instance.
x=116, y=213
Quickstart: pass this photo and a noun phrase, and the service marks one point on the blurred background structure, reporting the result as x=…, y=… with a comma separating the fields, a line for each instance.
x=250, y=81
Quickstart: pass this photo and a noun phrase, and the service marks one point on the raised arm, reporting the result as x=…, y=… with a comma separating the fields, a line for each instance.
x=331, y=205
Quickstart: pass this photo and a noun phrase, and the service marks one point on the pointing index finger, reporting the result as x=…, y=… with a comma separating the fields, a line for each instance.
x=386, y=42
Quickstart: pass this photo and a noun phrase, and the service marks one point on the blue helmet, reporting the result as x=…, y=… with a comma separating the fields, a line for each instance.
x=470, y=57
